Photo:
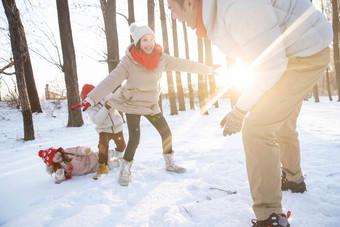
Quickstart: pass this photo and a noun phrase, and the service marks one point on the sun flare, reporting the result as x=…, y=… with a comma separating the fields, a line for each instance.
x=240, y=75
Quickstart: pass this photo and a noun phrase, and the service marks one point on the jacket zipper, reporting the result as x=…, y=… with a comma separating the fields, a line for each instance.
x=112, y=123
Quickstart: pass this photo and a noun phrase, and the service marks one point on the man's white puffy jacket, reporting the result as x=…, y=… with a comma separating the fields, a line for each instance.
x=265, y=34
x=105, y=120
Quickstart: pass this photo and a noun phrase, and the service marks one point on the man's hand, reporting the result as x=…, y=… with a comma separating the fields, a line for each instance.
x=232, y=123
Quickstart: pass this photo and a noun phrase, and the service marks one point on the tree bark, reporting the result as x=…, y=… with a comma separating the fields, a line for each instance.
x=110, y=22
x=131, y=12
x=109, y=15
x=316, y=93
x=171, y=90
x=179, y=86
x=30, y=83
x=131, y=18
x=75, y=118
x=29, y=78
x=315, y=88
x=191, y=90
x=201, y=92
x=328, y=86
x=335, y=25
x=211, y=78
x=151, y=14
x=20, y=50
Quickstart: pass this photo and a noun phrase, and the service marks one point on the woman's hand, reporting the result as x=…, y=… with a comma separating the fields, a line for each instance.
x=215, y=67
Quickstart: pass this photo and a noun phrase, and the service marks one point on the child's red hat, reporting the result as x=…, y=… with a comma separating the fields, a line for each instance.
x=48, y=155
x=87, y=88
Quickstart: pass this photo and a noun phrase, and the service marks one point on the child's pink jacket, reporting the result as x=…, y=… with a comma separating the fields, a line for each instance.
x=83, y=162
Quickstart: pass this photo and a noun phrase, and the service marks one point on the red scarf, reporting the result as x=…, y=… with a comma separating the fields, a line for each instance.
x=149, y=61
x=201, y=32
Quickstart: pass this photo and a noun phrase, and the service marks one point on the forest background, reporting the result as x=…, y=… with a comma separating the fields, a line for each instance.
x=93, y=38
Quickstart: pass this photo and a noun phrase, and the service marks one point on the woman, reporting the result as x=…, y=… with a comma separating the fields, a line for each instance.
x=142, y=68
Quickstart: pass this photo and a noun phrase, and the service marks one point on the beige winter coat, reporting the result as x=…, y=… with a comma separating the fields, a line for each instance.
x=139, y=95
x=266, y=34
x=105, y=120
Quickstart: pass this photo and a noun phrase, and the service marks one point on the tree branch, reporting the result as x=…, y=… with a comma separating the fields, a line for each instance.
x=10, y=64
x=123, y=16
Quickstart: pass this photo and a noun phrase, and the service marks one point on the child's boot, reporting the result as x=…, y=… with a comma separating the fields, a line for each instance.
x=125, y=172
x=171, y=165
x=102, y=169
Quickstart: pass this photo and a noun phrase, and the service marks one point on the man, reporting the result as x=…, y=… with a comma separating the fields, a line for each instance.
x=285, y=42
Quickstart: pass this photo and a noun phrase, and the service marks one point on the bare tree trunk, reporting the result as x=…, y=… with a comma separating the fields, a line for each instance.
x=180, y=93
x=171, y=90
x=30, y=83
x=29, y=79
x=201, y=92
x=109, y=14
x=131, y=13
x=336, y=43
x=327, y=75
x=151, y=14
x=315, y=88
x=131, y=18
x=316, y=93
x=191, y=91
x=205, y=90
x=328, y=86
x=20, y=50
x=211, y=78
x=75, y=118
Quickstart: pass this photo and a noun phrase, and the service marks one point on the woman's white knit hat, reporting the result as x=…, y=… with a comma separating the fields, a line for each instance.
x=138, y=31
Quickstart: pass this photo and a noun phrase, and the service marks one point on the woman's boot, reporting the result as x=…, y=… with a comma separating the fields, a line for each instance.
x=125, y=172
x=171, y=165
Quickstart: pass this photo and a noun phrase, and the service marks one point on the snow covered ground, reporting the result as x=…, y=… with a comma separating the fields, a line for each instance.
x=213, y=192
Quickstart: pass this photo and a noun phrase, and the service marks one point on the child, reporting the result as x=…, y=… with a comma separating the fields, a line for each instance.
x=109, y=125
x=74, y=161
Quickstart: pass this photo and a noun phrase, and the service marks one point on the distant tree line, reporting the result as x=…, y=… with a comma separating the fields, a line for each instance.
x=208, y=93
